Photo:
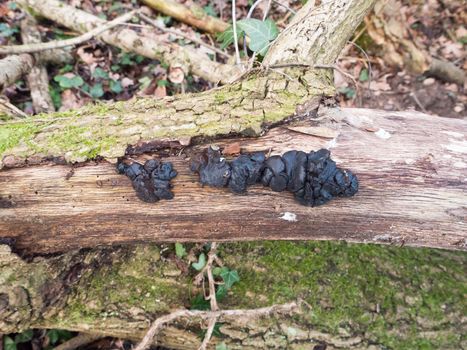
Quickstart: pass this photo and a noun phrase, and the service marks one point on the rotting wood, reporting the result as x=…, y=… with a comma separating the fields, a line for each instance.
x=411, y=169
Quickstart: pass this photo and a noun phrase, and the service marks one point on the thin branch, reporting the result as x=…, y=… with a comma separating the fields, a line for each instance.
x=78, y=341
x=181, y=34
x=208, y=335
x=234, y=28
x=29, y=48
x=368, y=62
x=204, y=315
x=285, y=6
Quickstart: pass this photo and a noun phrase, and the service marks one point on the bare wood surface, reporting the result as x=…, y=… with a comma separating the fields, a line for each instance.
x=411, y=168
x=194, y=16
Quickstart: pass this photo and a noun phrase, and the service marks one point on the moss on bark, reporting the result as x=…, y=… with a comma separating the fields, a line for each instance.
x=399, y=298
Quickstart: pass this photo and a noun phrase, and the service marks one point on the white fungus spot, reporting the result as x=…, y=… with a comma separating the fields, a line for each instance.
x=287, y=216
x=382, y=134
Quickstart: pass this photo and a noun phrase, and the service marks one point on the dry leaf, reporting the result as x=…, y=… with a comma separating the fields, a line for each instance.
x=160, y=91
x=127, y=82
x=86, y=57
x=70, y=101
x=320, y=131
x=176, y=75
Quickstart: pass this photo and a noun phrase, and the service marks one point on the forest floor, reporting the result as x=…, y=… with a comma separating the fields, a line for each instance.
x=102, y=72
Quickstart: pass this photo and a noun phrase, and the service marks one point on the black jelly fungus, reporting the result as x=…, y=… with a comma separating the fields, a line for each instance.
x=150, y=181
x=313, y=178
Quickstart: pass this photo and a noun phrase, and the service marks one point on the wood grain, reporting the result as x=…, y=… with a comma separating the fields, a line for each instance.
x=412, y=170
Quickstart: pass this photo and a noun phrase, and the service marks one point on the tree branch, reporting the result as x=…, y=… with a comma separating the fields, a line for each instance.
x=129, y=40
x=58, y=44
x=195, y=16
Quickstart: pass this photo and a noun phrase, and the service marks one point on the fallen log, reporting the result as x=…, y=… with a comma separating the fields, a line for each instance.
x=411, y=169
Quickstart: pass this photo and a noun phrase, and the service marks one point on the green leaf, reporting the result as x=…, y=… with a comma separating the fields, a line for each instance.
x=221, y=292
x=24, y=337
x=66, y=68
x=348, y=92
x=68, y=83
x=209, y=10
x=56, y=335
x=180, y=250
x=8, y=343
x=221, y=346
x=54, y=91
x=6, y=31
x=144, y=81
x=227, y=37
x=201, y=262
x=97, y=91
x=99, y=73
x=363, y=75
x=230, y=277
x=260, y=33
x=116, y=86
x=162, y=82
x=199, y=303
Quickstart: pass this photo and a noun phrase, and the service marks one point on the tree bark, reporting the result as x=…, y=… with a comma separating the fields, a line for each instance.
x=411, y=169
x=38, y=79
x=355, y=296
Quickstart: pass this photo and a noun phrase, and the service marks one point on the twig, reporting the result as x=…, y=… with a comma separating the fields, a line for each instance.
x=204, y=315
x=234, y=28
x=78, y=341
x=417, y=101
x=368, y=62
x=181, y=34
x=208, y=335
x=29, y=48
x=11, y=110
x=285, y=6
x=212, y=286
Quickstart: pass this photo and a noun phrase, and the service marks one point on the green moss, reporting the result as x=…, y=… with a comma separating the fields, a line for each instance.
x=12, y=134
x=137, y=281
x=347, y=284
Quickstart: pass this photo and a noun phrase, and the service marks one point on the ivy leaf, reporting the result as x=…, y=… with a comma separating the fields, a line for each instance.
x=99, y=73
x=56, y=335
x=96, y=91
x=67, y=82
x=116, y=86
x=230, y=277
x=24, y=337
x=8, y=343
x=363, y=75
x=221, y=292
x=199, y=303
x=180, y=250
x=201, y=262
x=227, y=37
x=260, y=33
